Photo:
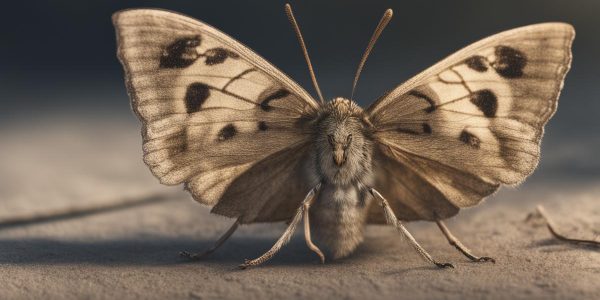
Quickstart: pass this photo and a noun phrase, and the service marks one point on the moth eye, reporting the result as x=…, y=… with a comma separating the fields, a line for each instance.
x=348, y=140
x=330, y=139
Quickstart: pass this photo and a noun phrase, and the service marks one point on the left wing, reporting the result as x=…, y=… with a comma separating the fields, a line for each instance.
x=216, y=116
x=453, y=134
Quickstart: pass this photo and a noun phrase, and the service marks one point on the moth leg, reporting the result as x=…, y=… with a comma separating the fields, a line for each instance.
x=218, y=243
x=393, y=220
x=287, y=234
x=309, y=242
x=458, y=245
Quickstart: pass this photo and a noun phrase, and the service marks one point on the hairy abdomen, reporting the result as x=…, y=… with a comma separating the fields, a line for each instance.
x=337, y=219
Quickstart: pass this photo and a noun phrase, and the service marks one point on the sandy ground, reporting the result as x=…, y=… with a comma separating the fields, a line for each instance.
x=132, y=253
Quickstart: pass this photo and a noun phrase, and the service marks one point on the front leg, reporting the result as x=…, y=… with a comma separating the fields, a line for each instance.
x=309, y=242
x=393, y=220
x=287, y=234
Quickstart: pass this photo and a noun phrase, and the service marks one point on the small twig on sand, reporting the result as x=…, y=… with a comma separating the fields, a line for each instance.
x=559, y=236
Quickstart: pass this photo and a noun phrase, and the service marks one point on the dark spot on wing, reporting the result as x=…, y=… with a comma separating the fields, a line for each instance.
x=426, y=128
x=227, y=132
x=418, y=94
x=181, y=53
x=197, y=93
x=262, y=126
x=469, y=139
x=509, y=62
x=218, y=55
x=278, y=94
x=477, y=63
x=486, y=101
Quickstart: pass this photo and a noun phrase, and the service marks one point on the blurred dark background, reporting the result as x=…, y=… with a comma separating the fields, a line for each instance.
x=57, y=58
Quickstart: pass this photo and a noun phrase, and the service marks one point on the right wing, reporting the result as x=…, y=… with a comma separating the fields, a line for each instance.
x=450, y=136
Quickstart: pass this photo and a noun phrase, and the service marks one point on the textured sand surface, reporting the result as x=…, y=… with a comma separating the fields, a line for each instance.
x=132, y=253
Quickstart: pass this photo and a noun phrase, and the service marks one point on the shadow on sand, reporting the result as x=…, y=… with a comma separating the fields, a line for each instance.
x=150, y=251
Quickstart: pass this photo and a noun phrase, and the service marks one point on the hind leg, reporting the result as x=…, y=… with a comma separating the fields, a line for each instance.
x=220, y=241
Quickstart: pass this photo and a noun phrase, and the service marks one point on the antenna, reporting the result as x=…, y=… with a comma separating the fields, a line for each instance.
x=290, y=15
x=385, y=19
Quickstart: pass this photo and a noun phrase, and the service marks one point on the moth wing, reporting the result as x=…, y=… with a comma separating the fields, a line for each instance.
x=453, y=134
x=214, y=112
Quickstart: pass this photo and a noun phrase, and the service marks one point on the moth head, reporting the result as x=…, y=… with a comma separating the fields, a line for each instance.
x=339, y=148
x=343, y=146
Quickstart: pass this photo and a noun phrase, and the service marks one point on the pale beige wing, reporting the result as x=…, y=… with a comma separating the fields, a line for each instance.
x=212, y=110
x=473, y=121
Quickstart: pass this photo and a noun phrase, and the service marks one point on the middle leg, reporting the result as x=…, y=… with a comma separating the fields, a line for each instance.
x=458, y=245
x=393, y=220
x=286, y=235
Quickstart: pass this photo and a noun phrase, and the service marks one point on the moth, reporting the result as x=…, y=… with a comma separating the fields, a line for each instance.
x=247, y=140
